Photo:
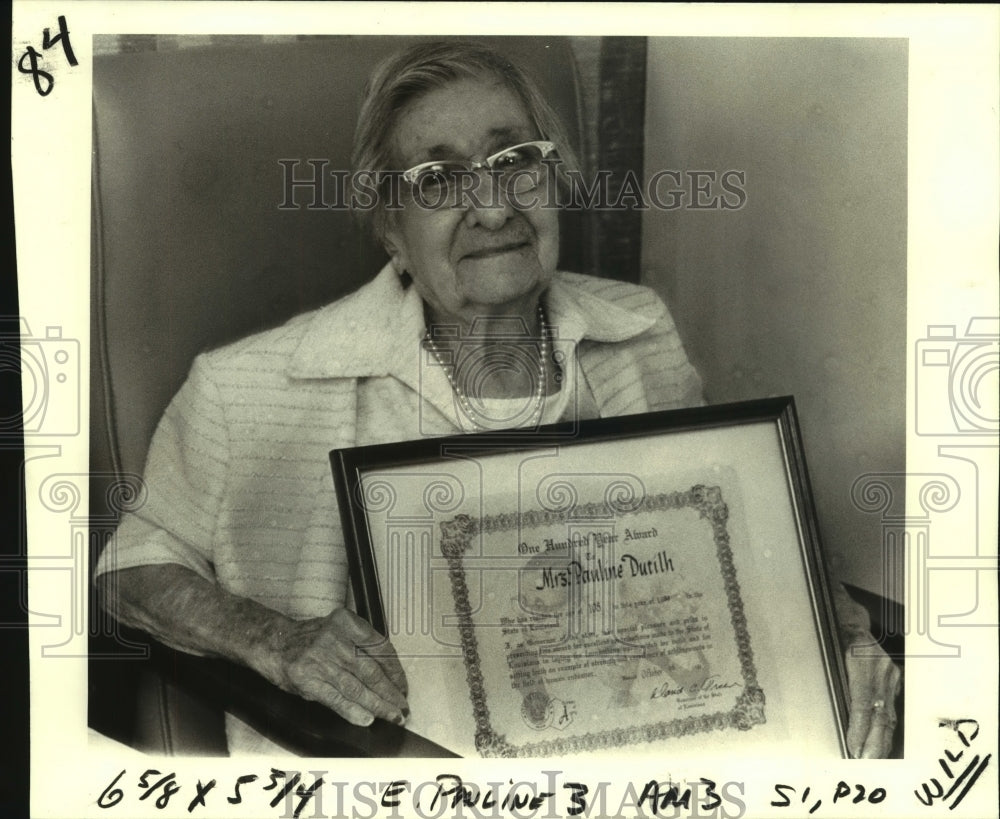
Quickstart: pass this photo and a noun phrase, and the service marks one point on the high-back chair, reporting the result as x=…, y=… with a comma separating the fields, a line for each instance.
x=195, y=245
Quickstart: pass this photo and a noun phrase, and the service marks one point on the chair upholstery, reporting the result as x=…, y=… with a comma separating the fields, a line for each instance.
x=190, y=247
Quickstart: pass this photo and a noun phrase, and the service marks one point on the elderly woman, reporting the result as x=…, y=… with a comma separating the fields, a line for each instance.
x=238, y=552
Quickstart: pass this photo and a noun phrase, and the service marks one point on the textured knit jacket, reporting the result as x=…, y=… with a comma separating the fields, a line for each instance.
x=238, y=476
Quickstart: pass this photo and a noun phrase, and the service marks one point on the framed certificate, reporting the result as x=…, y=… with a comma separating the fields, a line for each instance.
x=652, y=583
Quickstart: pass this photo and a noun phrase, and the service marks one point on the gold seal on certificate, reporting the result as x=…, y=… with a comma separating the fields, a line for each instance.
x=541, y=606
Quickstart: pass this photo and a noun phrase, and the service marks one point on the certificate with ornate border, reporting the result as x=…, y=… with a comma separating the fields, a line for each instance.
x=651, y=582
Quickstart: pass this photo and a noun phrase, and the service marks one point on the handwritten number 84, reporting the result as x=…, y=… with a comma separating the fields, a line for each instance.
x=32, y=56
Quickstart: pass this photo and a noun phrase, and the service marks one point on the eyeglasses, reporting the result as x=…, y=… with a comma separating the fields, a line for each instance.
x=515, y=168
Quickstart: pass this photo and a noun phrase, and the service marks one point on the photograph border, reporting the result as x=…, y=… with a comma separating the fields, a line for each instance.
x=944, y=515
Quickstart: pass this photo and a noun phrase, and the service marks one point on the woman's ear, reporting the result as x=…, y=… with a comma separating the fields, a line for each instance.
x=392, y=245
x=394, y=256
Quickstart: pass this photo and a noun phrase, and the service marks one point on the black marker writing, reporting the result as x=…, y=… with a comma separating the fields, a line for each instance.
x=577, y=798
x=29, y=62
x=236, y=798
x=967, y=730
x=111, y=795
x=861, y=795
x=170, y=787
x=199, y=798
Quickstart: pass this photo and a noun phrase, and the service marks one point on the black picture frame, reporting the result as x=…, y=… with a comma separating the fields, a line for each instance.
x=352, y=466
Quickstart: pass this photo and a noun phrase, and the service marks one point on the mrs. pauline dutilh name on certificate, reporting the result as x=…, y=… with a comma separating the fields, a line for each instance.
x=544, y=608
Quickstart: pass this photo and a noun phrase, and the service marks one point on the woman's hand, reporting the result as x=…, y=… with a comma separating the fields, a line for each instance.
x=341, y=662
x=873, y=681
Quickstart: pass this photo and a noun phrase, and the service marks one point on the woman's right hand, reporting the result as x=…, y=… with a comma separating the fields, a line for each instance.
x=338, y=660
x=341, y=662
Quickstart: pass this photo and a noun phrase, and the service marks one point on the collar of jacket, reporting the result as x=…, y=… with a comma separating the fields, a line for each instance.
x=376, y=330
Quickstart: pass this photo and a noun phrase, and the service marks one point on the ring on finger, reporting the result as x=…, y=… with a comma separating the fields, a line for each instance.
x=883, y=716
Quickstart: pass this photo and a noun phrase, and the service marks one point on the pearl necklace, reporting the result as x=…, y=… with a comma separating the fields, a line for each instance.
x=463, y=399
